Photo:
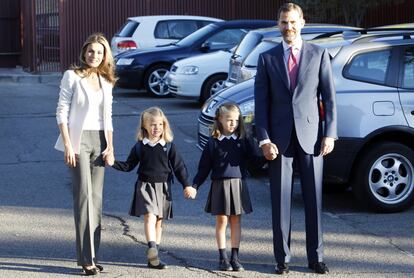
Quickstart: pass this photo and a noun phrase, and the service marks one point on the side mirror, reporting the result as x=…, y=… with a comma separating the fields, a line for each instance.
x=205, y=47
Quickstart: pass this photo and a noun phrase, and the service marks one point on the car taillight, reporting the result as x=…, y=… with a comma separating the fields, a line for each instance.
x=126, y=45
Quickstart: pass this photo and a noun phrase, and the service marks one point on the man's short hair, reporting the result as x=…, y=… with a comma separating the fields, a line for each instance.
x=287, y=7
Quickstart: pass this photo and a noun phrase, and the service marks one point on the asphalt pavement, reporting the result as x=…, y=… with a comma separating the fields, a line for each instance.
x=36, y=220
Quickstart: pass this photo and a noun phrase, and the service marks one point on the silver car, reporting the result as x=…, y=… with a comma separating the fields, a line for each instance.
x=374, y=78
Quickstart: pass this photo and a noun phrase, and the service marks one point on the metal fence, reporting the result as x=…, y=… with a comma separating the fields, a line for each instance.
x=47, y=35
x=54, y=30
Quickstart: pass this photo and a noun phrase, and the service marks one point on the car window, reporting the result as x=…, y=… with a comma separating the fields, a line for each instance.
x=228, y=36
x=202, y=23
x=128, y=29
x=247, y=44
x=174, y=29
x=369, y=66
x=161, y=30
x=251, y=59
x=408, y=72
x=197, y=35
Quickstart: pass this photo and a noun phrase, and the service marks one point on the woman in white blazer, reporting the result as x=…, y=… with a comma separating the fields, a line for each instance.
x=84, y=117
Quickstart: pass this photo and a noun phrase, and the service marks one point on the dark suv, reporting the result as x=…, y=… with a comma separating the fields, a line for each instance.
x=374, y=78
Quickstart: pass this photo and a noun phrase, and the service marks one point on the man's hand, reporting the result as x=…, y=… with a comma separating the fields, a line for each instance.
x=270, y=151
x=327, y=145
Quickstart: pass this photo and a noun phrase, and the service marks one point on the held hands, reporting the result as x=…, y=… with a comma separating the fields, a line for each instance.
x=270, y=151
x=190, y=192
x=108, y=156
x=109, y=159
x=327, y=145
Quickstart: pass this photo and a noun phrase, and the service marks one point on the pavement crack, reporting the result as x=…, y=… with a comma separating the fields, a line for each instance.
x=408, y=253
x=126, y=231
x=125, y=228
x=357, y=227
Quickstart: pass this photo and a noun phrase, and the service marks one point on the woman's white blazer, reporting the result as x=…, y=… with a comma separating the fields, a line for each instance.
x=73, y=105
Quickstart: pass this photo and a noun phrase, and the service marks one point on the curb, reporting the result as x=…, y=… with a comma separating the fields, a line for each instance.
x=30, y=79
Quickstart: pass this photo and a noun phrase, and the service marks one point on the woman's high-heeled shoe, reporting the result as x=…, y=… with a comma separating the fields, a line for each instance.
x=90, y=271
x=99, y=267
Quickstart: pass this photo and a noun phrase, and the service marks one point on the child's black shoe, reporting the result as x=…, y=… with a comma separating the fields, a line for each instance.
x=225, y=265
x=152, y=256
x=236, y=265
x=161, y=265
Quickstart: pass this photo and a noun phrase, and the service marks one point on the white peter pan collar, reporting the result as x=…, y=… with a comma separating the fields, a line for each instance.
x=232, y=136
x=146, y=141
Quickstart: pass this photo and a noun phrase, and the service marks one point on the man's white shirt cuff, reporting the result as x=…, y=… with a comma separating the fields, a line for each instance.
x=265, y=141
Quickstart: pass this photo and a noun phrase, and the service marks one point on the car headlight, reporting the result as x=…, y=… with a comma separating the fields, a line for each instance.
x=189, y=70
x=124, y=61
x=247, y=110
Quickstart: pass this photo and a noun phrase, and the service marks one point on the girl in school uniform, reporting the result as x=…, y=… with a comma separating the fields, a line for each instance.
x=225, y=156
x=158, y=159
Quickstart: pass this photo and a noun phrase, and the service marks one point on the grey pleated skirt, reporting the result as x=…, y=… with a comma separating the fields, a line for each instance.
x=151, y=197
x=228, y=197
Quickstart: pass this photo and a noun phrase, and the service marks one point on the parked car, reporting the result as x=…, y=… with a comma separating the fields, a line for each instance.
x=374, y=78
x=200, y=76
x=247, y=68
x=255, y=37
x=149, y=68
x=150, y=31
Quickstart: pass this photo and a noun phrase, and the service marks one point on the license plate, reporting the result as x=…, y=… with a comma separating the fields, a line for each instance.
x=204, y=130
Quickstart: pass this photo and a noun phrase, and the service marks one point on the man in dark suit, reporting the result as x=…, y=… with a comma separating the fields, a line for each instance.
x=292, y=79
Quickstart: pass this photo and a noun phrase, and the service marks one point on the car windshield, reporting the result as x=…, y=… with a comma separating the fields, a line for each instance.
x=247, y=44
x=251, y=59
x=200, y=33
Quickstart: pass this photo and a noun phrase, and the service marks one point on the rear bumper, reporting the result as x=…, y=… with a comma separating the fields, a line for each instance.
x=130, y=78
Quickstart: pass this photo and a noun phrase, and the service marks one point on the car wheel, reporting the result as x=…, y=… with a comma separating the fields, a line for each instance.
x=156, y=80
x=384, y=179
x=213, y=85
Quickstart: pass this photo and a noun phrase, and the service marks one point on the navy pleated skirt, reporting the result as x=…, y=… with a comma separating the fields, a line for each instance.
x=151, y=197
x=228, y=197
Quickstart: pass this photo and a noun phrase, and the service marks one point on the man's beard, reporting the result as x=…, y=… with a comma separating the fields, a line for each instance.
x=289, y=36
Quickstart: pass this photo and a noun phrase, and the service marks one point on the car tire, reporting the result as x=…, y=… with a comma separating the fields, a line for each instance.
x=211, y=86
x=155, y=80
x=385, y=177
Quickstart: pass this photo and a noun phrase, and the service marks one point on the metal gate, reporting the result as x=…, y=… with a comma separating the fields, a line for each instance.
x=47, y=43
x=10, y=48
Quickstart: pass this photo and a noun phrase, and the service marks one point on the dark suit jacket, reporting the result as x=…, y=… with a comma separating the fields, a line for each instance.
x=278, y=110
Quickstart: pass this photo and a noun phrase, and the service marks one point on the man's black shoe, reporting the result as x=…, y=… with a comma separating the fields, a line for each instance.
x=237, y=266
x=282, y=268
x=319, y=267
x=225, y=265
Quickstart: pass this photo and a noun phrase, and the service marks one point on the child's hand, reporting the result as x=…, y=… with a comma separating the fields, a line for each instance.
x=190, y=192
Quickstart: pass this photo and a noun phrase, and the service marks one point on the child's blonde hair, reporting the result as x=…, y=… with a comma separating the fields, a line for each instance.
x=223, y=109
x=146, y=115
